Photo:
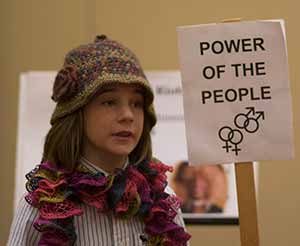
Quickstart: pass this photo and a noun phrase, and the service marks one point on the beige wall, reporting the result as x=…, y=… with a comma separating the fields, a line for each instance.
x=36, y=34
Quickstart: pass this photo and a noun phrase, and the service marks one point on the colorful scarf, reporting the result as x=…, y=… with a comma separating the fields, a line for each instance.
x=137, y=190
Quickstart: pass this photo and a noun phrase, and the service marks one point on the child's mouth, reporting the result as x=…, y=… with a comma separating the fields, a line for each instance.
x=123, y=134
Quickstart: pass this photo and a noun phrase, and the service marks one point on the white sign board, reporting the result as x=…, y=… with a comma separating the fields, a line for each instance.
x=237, y=100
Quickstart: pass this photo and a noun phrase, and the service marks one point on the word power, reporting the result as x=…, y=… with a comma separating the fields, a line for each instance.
x=234, y=45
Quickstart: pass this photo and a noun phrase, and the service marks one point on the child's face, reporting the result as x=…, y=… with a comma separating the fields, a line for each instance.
x=113, y=121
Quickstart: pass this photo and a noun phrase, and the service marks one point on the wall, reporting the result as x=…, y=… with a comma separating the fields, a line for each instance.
x=35, y=35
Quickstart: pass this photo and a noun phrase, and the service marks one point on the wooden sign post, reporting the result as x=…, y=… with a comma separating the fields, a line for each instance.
x=247, y=204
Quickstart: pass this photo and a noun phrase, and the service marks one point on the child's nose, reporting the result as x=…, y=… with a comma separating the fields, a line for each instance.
x=126, y=113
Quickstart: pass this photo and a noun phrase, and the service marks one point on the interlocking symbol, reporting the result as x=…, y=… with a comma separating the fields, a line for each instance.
x=249, y=122
x=234, y=136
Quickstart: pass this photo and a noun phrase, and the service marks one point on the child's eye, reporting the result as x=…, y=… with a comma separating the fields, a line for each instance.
x=109, y=103
x=138, y=104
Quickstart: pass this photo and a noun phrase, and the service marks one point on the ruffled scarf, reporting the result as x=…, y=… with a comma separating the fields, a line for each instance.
x=137, y=190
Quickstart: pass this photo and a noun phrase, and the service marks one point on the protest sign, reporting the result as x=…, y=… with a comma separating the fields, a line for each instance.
x=237, y=100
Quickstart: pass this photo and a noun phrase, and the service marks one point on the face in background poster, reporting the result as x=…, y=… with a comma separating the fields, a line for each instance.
x=207, y=192
x=203, y=189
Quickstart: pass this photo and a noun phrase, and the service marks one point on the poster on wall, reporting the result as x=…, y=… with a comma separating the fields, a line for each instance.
x=207, y=192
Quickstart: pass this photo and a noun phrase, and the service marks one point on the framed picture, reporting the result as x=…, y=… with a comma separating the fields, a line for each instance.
x=194, y=184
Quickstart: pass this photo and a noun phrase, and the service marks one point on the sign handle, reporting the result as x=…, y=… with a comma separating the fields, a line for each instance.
x=247, y=204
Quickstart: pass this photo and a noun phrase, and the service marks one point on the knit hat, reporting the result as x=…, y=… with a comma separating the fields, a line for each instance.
x=91, y=66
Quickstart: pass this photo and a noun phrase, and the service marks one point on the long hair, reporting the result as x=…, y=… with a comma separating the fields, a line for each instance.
x=64, y=142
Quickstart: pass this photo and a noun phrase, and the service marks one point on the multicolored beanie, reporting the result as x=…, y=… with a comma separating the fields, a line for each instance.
x=91, y=66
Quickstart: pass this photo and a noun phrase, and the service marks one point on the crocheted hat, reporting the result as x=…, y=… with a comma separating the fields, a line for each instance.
x=91, y=66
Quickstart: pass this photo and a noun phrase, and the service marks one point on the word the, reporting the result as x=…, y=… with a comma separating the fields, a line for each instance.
x=253, y=69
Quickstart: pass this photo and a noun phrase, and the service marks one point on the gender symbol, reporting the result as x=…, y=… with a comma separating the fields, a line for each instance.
x=241, y=121
x=250, y=124
x=233, y=136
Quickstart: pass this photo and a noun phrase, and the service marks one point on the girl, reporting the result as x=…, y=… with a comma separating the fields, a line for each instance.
x=98, y=183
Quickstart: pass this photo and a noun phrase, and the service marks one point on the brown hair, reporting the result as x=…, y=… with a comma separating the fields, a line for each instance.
x=64, y=141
